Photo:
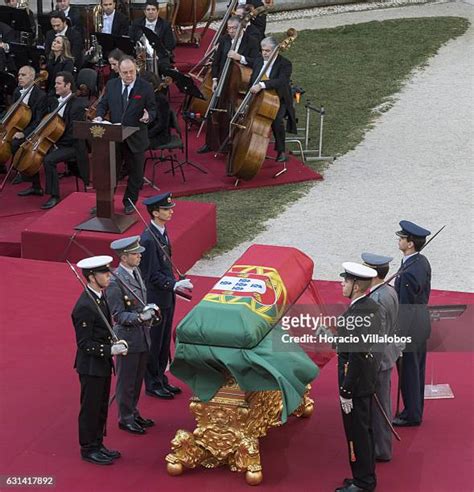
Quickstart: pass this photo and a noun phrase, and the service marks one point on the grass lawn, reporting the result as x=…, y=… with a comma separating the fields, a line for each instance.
x=353, y=71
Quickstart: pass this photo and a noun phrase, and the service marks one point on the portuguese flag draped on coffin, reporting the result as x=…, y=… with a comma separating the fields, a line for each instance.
x=230, y=331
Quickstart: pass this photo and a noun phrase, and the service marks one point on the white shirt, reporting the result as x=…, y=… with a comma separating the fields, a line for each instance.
x=108, y=20
x=60, y=101
x=98, y=294
x=127, y=269
x=66, y=12
x=130, y=87
x=26, y=100
x=62, y=33
x=151, y=25
x=267, y=72
x=162, y=229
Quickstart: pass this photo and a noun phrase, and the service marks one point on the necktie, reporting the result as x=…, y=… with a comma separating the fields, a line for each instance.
x=125, y=97
x=136, y=276
x=165, y=235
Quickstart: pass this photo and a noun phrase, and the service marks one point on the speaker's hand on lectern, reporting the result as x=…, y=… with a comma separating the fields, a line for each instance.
x=146, y=117
x=97, y=119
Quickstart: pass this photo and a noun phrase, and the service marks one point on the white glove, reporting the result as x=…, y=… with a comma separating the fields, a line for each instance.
x=148, y=312
x=119, y=349
x=183, y=284
x=346, y=404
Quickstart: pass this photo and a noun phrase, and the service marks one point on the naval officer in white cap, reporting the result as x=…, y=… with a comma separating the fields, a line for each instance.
x=95, y=349
x=357, y=375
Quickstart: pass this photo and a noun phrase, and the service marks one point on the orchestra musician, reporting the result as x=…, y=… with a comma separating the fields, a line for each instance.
x=59, y=60
x=7, y=35
x=60, y=28
x=71, y=12
x=66, y=148
x=279, y=75
x=114, y=57
x=162, y=28
x=259, y=22
x=241, y=11
x=246, y=52
x=16, y=5
x=36, y=101
x=131, y=102
x=113, y=21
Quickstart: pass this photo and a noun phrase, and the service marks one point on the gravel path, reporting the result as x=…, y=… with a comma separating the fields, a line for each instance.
x=415, y=164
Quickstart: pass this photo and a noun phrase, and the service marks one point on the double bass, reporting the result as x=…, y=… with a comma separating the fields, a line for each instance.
x=29, y=157
x=16, y=119
x=187, y=13
x=250, y=127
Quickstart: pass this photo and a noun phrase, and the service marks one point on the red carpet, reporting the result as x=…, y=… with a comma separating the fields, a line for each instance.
x=40, y=402
x=193, y=231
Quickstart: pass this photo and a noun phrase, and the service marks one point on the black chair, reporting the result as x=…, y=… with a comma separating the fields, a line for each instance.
x=176, y=143
x=87, y=77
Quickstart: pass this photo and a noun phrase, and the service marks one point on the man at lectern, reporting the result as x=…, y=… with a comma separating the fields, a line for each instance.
x=131, y=102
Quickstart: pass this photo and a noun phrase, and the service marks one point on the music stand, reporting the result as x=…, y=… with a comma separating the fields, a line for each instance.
x=17, y=19
x=26, y=55
x=110, y=41
x=186, y=86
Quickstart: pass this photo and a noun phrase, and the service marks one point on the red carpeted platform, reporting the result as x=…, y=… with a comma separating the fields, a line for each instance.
x=192, y=231
x=40, y=402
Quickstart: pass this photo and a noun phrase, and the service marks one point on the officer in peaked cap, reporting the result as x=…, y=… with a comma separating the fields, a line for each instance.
x=357, y=375
x=165, y=200
x=385, y=354
x=93, y=363
x=157, y=271
x=127, y=296
x=413, y=287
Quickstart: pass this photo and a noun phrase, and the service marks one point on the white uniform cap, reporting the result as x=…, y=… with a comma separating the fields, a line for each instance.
x=358, y=271
x=97, y=263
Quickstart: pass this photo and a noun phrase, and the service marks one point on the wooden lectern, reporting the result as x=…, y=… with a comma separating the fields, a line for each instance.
x=102, y=138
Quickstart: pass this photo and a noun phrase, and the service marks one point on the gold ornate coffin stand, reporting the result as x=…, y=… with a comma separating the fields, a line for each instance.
x=228, y=430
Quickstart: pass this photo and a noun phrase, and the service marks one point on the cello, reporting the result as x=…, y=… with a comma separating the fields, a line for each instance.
x=30, y=155
x=250, y=127
x=16, y=119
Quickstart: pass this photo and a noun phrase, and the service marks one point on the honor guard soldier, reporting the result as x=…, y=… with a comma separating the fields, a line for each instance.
x=126, y=295
x=386, y=354
x=357, y=375
x=94, y=364
x=157, y=271
x=413, y=286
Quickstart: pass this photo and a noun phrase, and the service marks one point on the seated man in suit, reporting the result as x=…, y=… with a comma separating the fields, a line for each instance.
x=131, y=102
x=279, y=74
x=35, y=99
x=66, y=148
x=161, y=28
x=60, y=27
x=113, y=22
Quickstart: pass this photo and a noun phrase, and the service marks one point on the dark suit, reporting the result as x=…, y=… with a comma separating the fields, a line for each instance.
x=67, y=148
x=120, y=24
x=386, y=356
x=38, y=105
x=159, y=279
x=94, y=365
x=74, y=16
x=141, y=97
x=259, y=22
x=279, y=80
x=165, y=34
x=413, y=287
x=77, y=44
x=357, y=376
x=129, y=327
x=8, y=35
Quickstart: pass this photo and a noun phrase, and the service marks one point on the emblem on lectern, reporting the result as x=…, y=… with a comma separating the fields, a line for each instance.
x=97, y=131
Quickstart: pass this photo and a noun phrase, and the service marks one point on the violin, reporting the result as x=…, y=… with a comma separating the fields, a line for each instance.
x=16, y=119
x=91, y=111
x=250, y=127
x=30, y=155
